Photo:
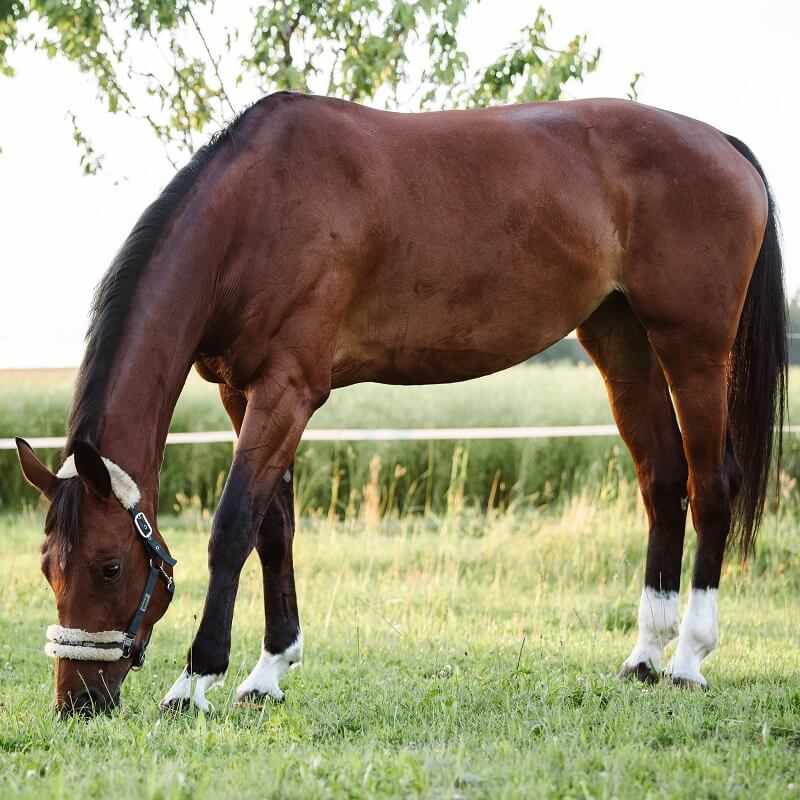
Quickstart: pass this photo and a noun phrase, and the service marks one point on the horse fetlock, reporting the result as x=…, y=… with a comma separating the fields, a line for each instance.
x=189, y=692
x=264, y=680
x=697, y=639
x=658, y=626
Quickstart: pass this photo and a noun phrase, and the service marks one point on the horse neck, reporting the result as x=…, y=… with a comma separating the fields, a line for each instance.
x=168, y=318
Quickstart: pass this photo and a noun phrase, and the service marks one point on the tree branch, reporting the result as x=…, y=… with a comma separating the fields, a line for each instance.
x=214, y=62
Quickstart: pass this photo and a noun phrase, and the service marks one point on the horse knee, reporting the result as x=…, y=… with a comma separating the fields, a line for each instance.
x=231, y=541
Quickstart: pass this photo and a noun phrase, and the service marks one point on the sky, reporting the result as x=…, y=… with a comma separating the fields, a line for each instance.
x=732, y=64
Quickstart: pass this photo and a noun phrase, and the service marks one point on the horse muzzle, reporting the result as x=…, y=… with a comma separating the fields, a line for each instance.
x=88, y=702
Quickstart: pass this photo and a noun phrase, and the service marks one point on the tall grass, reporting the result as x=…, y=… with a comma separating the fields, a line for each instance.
x=379, y=478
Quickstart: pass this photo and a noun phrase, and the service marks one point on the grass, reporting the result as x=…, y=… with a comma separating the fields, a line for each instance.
x=412, y=474
x=458, y=656
x=337, y=479
x=465, y=609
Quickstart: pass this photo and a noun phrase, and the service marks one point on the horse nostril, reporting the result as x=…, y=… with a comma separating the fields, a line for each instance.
x=87, y=703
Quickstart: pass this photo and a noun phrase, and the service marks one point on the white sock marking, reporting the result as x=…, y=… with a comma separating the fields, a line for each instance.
x=182, y=689
x=698, y=636
x=658, y=626
x=271, y=667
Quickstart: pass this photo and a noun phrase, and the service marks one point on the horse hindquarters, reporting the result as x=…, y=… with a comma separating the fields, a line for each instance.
x=696, y=270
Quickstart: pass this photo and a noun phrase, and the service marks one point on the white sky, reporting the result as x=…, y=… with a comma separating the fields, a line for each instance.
x=732, y=64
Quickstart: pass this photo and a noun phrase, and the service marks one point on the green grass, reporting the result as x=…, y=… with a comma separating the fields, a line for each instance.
x=464, y=656
x=450, y=651
x=410, y=475
x=405, y=476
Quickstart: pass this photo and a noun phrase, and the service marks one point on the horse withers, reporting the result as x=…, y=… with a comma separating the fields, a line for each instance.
x=315, y=244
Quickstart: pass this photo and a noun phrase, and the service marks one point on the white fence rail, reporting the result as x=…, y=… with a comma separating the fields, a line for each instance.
x=383, y=435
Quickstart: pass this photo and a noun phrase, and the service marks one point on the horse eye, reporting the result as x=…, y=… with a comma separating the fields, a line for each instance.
x=111, y=572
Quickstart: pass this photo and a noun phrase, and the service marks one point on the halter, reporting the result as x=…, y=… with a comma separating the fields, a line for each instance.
x=78, y=645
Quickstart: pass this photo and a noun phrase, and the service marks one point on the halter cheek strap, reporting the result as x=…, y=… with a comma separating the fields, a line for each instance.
x=79, y=645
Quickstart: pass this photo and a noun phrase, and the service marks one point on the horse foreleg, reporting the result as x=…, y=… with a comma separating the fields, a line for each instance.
x=277, y=410
x=282, y=647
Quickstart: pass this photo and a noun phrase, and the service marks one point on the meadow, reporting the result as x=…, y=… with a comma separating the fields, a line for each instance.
x=455, y=647
x=391, y=478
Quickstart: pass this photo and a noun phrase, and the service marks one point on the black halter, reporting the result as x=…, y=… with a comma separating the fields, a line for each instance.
x=158, y=557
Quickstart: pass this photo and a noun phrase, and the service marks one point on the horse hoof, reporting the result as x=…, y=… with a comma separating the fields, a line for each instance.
x=175, y=706
x=642, y=672
x=688, y=683
x=259, y=699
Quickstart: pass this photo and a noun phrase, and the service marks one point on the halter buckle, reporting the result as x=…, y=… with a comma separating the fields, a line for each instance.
x=142, y=525
x=127, y=645
x=167, y=577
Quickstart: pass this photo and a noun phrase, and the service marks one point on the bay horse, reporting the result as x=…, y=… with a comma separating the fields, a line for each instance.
x=316, y=243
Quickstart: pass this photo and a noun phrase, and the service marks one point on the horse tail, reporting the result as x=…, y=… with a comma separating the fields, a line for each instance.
x=757, y=376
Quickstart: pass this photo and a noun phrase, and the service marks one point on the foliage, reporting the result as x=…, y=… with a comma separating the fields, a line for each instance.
x=437, y=664
x=531, y=70
x=383, y=478
x=356, y=49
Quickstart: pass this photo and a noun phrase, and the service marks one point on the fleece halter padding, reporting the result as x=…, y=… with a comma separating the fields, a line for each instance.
x=123, y=486
x=79, y=645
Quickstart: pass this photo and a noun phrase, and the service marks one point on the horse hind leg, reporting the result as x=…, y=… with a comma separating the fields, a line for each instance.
x=700, y=392
x=693, y=349
x=282, y=647
x=643, y=410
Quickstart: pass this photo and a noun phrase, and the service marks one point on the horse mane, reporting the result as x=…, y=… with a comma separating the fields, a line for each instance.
x=113, y=297
x=110, y=308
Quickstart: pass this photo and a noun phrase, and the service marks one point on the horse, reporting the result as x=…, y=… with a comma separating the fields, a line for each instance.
x=316, y=243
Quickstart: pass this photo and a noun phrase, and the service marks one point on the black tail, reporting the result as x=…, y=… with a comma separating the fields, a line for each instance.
x=757, y=376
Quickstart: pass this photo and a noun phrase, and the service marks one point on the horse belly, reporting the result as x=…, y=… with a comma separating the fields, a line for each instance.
x=424, y=328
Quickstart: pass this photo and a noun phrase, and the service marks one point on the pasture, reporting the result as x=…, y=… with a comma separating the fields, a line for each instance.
x=345, y=479
x=454, y=647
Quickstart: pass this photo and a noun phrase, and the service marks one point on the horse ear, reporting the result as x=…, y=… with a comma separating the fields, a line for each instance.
x=34, y=471
x=91, y=469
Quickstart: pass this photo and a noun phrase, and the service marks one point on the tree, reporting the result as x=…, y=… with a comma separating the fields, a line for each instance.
x=356, y=49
